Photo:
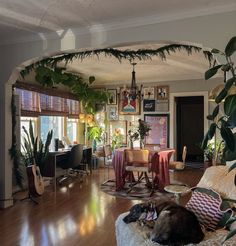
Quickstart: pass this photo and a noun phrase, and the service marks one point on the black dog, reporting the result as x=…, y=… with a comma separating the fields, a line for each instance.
x=175, y=224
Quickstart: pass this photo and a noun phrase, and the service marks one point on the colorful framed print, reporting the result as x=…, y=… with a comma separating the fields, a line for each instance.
x=149, y=105
x=127, y=105
x=159, y=133
x=163, y=92
x=149, y=93
x=112, y=96
x=112, y=113
x=118, y=127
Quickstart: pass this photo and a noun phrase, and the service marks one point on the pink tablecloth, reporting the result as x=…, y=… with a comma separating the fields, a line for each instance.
x=160, y=166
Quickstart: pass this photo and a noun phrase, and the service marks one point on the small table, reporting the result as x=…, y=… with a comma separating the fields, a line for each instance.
x=177, y=190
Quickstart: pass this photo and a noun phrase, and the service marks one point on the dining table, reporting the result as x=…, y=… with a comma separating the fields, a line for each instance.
x=159, y=166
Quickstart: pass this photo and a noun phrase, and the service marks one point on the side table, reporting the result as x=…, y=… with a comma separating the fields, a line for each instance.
x=177, y=190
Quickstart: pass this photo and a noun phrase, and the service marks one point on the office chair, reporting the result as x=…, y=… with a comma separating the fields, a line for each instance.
x=179, y=165
x=71, y=165
x=107, y=161
x=138, y=161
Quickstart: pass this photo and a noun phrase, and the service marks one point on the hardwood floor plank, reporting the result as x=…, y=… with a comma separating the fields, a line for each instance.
x=77, y=214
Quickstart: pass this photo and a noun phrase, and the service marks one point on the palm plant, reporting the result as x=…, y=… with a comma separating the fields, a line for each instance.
x=34, y=150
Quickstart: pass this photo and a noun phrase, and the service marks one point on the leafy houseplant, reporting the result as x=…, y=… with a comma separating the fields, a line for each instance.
x=227, y=122
x=95, y=134
x=34, y=150
x=117, y=139
x=224, y=123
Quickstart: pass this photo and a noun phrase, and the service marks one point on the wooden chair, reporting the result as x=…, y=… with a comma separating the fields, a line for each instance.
x=138, y=161
x=179, y=165
x=107, y=161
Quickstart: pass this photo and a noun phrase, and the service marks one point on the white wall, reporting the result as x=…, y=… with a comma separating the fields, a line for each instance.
x=210, y=31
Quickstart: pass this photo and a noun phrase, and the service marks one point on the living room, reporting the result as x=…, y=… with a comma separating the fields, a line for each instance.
x=28, y=39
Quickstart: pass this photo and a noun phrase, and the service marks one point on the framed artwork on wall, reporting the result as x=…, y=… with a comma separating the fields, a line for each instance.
x=121, y=126
x=149, y=105
x=128, y=106
x=163, y=92
x=159, y=133
x=112, y=113
x=112, y=96
x=149, y=93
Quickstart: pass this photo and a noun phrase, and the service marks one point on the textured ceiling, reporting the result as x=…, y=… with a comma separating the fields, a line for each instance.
x=24, y=18
x=19, y=18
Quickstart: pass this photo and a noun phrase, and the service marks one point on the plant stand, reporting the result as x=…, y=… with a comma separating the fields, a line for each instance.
x=30, y=197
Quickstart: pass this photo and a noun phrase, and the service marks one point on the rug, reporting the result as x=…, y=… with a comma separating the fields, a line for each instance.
x=139, y=192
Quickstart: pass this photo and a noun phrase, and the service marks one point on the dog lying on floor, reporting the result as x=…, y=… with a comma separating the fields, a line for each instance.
x=172, y=223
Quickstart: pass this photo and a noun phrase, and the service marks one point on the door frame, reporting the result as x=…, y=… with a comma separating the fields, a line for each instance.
x=173, y=127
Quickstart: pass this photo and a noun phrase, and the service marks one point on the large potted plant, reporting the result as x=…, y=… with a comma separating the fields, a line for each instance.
x=34, y=150
x=226, y=122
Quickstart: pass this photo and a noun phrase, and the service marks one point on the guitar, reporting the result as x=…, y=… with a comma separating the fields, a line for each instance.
x=35, y=181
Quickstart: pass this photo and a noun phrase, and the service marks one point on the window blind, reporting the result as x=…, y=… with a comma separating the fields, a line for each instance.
x=35, y=103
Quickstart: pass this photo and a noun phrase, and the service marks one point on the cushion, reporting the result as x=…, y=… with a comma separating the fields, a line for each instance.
x=221, y=180
x=209, y=208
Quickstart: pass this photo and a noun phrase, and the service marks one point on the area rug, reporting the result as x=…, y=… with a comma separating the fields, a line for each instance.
x=139, y=192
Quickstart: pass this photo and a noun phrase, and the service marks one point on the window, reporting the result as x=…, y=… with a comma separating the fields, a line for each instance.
x=48, y=123
x=72, y=129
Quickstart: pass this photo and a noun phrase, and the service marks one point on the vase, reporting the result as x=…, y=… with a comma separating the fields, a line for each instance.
x=131, y=144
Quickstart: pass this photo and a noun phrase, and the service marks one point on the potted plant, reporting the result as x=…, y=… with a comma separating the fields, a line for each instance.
x=34, y=150
x=95, y=134
x=143, y=129
x=227, y=122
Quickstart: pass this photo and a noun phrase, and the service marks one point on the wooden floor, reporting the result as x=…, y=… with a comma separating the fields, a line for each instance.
x=77, y=214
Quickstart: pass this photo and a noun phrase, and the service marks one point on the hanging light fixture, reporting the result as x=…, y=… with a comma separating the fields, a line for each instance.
x=135, y=92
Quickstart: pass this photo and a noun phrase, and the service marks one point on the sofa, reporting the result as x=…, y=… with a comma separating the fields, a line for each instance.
x=217, y=178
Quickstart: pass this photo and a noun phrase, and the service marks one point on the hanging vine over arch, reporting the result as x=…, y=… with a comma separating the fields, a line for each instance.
x=140, y=54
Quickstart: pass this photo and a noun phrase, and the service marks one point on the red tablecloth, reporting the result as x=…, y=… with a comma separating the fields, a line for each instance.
x=160, y=166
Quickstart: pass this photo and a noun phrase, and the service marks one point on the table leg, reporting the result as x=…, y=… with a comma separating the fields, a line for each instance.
x=55, y=176
x=177, y=197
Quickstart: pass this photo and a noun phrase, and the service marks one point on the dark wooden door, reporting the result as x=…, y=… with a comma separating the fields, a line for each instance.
x=190, y=126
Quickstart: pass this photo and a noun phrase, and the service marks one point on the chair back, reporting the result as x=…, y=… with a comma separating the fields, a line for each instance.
x=76, y=155
x=184, y=154
x=137, y=156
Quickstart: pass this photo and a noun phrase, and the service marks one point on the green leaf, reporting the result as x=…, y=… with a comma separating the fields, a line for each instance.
x=229, y=83
x=230, y=104
x=211, y=131
x=228, y=137
x=215, y=51
x=232, y=119
x=229, y=235
x=221, y=96
x=210, y=117
x=215, y=111
x=231, y=46
x=230, y=155
x=211, y=72
x=232, y=167
x=204, y=141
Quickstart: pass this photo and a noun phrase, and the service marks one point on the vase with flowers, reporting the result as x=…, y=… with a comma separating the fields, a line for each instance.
x=143, y=129
x=133, y=136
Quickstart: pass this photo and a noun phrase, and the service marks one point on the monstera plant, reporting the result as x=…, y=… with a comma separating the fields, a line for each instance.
x=227, y=122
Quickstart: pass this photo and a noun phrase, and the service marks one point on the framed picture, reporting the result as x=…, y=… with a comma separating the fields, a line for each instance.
x=112, y=113
x=127, y=105
x=149, y=93
x=120, y=126
x=149, y=105
x=159, y=133
x=163, y=92
x=112, y=96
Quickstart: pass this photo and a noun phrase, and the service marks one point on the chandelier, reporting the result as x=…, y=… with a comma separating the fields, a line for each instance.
x=134, y=92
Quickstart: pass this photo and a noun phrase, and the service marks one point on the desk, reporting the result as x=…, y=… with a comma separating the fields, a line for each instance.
x=160, y=166
x=51, y=165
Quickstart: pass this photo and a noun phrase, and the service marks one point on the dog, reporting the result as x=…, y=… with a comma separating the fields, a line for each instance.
x=174, y=224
